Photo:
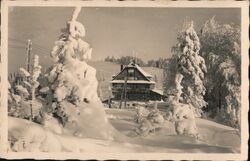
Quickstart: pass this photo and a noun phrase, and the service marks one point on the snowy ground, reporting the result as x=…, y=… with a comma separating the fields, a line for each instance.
x=218, y=138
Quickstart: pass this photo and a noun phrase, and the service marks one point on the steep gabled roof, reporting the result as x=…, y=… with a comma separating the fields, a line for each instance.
x=143, y=72
x=132, y=64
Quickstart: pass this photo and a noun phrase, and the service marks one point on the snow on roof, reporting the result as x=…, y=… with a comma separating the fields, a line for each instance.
x=142, y=71
x=132, y=64
x=157, y=91
x=133, y=81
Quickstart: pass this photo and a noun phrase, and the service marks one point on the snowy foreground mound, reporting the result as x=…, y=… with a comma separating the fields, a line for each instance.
x=28, y=136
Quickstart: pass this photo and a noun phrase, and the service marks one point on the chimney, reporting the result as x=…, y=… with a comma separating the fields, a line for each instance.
x=121, y=67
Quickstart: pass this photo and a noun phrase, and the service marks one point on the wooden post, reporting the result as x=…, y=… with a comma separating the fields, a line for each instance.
x=28, y=68
x=29, y=44
x=109, y=102
x=124, y=93
x=120, y=106
x=155, y=105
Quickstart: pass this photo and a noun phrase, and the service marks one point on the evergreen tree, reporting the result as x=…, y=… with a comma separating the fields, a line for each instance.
x=221, y=50
x=192, y=66
x=27, y=89
x=70, y=80
x=72, y=96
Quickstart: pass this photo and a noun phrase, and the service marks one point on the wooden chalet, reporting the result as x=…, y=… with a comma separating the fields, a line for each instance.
x=132, y=83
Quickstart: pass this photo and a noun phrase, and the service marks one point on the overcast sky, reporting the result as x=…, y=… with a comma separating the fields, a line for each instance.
x=151, y=32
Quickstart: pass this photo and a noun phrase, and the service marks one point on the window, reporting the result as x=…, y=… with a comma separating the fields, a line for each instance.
x=130, y=71
x=130, y=74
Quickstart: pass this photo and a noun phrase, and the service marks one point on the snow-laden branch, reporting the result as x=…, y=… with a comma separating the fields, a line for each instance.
x=178, y=79
x=75, y=27
x=24, y=72
x=76, y=13
x=70, y=43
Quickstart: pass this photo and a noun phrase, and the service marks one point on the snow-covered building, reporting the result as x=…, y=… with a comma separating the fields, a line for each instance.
x=134, y=84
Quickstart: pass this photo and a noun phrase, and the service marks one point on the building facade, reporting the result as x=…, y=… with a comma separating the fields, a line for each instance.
x=134, y=84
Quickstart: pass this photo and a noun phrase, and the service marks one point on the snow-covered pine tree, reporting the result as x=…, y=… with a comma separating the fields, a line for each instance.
x=71, y=91
x=26, y=90
x=31, y=83
x=186, y=93
x=149, y=120
x=182, y=113
x=141, y=113
x=221, y=50
x=70, y=80
x=13, y=102
x=192, y=66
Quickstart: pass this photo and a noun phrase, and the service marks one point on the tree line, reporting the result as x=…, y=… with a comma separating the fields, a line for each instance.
x=125, y=60
x=210, y=62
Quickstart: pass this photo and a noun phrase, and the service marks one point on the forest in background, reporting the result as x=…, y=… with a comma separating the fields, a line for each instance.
x=125, y=60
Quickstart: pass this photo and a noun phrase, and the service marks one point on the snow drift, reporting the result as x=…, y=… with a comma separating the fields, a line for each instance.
x=27, y=136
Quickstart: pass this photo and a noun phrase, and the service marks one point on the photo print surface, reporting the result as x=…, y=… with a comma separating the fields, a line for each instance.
x=114, y=79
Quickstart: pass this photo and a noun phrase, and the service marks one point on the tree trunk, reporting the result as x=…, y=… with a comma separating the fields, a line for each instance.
x=32, y=102
x=220, y=96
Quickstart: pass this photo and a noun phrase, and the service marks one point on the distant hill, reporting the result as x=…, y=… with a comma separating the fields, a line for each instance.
x=105, y=70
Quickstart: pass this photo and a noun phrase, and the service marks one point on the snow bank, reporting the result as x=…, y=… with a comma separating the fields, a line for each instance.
x=91, y=122
x=219, y=135
x=27, y=136
x=215, y=137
